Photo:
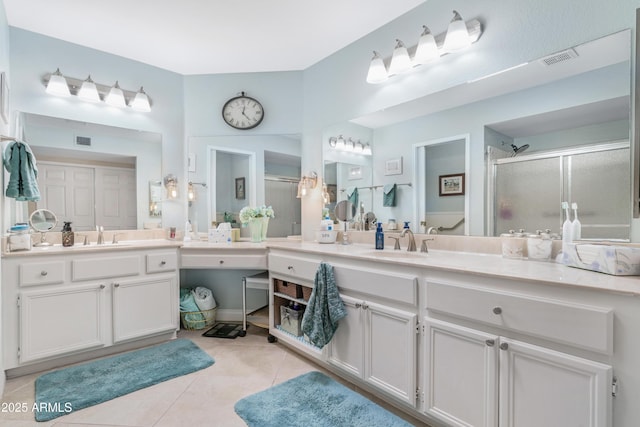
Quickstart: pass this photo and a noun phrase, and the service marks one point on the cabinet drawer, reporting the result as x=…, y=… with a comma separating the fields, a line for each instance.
x=303, y=268
x=578, y=325
x=41, y=273
x=102, y=268
x=381, y=284
x=158, y=263
x=254, y=261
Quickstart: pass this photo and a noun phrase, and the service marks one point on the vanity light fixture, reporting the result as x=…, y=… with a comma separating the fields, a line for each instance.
x=349, y=145
x=459, y=35
x=171, y=184
x=88, y=90
x=57, y=84
x=141, y=101
x=191, y=191
x=307, y=183
x=115, y=97
x=400, y=60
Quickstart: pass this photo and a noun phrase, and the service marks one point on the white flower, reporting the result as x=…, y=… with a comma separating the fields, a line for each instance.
x=248, y=213
x=267, y=211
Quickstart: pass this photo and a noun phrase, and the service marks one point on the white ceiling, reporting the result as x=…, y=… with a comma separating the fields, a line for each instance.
x=209, y=36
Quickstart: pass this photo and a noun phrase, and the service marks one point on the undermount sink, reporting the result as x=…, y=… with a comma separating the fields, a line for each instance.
x=396, y=254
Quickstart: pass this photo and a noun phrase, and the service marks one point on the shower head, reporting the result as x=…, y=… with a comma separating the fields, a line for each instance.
x=518, y=150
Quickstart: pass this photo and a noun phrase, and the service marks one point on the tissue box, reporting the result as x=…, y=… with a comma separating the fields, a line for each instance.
x=609, y=259
x=291, y=320
x=219, y=236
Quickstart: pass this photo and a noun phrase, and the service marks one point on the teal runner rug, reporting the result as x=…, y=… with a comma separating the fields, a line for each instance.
x=313, y=399
x=70, y=389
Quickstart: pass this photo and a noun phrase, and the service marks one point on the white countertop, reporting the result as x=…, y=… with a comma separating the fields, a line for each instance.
x=444, y=260
x=477, y=263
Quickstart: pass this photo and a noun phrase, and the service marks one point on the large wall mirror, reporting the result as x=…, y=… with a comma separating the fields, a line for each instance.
x=577, y=99
x=92, y=174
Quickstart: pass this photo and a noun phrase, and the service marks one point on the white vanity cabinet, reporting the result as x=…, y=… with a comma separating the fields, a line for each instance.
x=376, y=342
x=476, y=372
x=76, y=302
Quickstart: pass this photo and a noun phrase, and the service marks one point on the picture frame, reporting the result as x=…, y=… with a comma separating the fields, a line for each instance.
x=451, y=185
x=4, y=98
x=355, y=173
x=393, y=166
x=240, y=189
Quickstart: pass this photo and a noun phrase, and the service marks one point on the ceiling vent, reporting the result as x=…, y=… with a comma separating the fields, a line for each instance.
x=558, y=57
x=83, y=140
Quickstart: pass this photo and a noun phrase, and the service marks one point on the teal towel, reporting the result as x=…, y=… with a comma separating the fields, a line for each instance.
x=389, y=195
x=352, y=195
x=21, y=165
x=325, y=308
x=188, y=304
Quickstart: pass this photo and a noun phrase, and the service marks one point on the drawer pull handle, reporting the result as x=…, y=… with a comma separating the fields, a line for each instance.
x=163, y=262
x=497, y=310
x=102, y=286
x=504, y=346
x=290, y=267
x=490, y=343
x=365, y=306
x=117, y=285
x=358, y=305
x=221, y=261
x=43, y=273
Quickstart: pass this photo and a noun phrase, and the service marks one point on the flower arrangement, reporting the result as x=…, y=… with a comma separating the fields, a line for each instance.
x=248, y=213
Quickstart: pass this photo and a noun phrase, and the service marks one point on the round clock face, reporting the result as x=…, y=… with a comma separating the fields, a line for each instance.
x=242, y=112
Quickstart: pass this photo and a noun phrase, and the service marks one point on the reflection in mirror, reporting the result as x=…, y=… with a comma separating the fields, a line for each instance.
x=440, y=185
x=92, y=174
x=344, y=212
x=155, y=199
x=43, y=221
x=352, y=182
x=282, y=175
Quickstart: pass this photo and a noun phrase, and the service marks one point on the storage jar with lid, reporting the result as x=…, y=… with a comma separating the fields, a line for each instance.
x=19, y=238
x=513, y=244
x=539, y=245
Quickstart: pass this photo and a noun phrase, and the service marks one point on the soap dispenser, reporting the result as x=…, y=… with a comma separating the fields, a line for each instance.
x=379, y=237
x=67, y=234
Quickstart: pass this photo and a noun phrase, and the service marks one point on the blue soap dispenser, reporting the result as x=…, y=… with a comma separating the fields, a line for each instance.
x=379, y=237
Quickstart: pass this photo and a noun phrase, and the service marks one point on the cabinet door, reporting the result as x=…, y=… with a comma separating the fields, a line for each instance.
x=61, y=320
x=346, y=349
x=144, y=307
x=390, y=350
x=461, y=375
x=541, y=387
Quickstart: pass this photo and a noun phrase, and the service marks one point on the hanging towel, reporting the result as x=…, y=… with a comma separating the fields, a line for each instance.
x=325, y=308
x=389, y=195
x=21, y=165
x=352, y=195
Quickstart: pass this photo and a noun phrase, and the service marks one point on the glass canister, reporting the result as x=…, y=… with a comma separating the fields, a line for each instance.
x=513, y=244
x=19, y=238
x=539, y=245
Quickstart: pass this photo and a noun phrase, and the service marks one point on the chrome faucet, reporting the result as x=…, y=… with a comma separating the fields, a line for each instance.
x=412, y=241
x=432, y=230
x=100, y=230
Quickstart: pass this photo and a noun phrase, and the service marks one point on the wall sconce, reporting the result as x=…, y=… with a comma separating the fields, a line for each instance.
x=350, y=145
x=171, y=184
x=88, y=90
x=459, y=35
x=307, y=183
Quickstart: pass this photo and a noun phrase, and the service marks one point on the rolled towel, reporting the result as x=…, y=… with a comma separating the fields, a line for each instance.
x=204, y=298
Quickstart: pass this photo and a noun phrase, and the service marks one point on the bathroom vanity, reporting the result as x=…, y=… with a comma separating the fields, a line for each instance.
x=66, y=304
x=453, y=338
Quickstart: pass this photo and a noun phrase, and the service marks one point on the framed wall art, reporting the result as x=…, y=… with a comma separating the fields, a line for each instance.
x=240, y=193
x=452, y=185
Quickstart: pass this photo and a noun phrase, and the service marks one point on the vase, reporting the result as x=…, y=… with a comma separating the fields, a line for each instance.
x=255, y=228
x=265, y=226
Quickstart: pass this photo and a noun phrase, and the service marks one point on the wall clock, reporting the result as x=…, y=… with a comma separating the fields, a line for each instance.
x=242, y=112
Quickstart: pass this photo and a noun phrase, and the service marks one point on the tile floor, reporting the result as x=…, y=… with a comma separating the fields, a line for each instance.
x=244, y=365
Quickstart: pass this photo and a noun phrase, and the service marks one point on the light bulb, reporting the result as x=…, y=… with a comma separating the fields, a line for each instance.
x=141, y=102
x=89, y=91
x=400, y=60
x=457, y=34
x=427, y=49
x=57, y=84
x=377, y=70
x=115, y=97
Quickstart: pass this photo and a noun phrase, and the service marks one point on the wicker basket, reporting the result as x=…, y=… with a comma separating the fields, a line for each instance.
x=194, y=320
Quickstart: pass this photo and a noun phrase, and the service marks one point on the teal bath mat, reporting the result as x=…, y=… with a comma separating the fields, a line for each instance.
x=70, y=389
x=313, y=399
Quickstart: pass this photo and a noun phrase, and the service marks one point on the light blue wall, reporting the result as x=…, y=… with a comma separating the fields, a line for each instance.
x=32, y=56
x=4, y=130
